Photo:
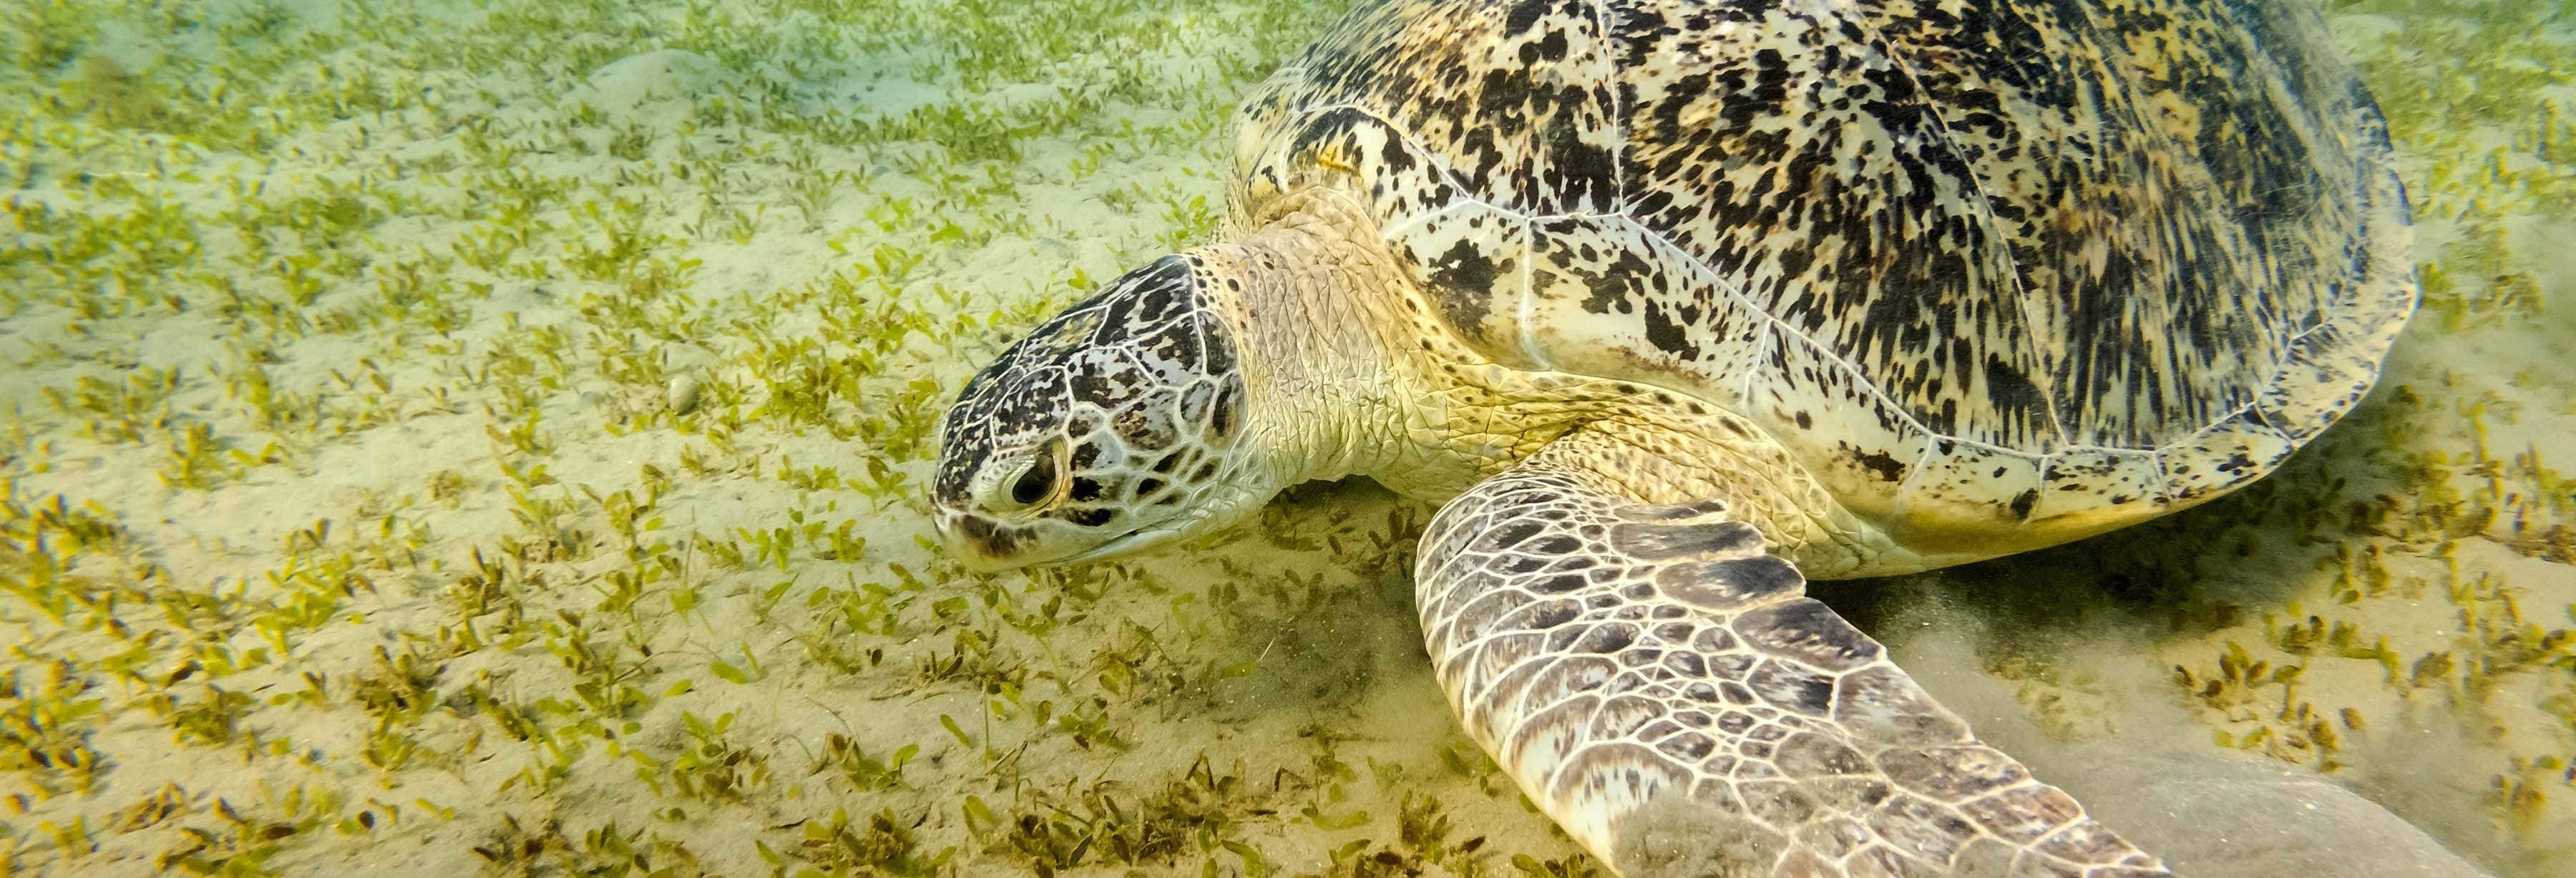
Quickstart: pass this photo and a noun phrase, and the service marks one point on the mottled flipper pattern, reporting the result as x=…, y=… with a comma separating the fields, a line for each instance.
x=1665, y=691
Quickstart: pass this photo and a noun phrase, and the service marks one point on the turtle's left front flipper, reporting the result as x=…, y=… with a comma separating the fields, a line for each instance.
x=1664, y=689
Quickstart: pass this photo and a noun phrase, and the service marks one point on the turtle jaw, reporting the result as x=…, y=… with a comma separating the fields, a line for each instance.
x=984, y=545
x=987, y=541
x=1133, y=541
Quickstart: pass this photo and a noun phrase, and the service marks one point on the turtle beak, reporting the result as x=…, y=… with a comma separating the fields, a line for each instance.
x=978, y=543
x=984, y=545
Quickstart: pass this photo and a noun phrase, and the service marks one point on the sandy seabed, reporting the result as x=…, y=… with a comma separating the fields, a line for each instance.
x=449, y=438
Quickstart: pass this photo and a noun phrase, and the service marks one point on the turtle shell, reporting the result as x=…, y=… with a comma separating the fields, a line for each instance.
x=1991, y=269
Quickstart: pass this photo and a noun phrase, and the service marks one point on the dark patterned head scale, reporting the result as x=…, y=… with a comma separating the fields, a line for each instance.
x=1105, y=430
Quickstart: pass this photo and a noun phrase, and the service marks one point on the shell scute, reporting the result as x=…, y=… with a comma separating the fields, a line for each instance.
x=1863, y=446
x=2087, y=239
x=1604, y=299
x=1517, y=94
x=2223, y=456
x=2082, y=489
x=1966, y=492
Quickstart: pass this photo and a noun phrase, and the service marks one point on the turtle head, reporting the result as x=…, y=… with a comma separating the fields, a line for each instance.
x=1112, y=427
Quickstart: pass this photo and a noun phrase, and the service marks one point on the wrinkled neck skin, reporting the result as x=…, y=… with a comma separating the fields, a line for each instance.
x=1325, y=373
x=1343, y=378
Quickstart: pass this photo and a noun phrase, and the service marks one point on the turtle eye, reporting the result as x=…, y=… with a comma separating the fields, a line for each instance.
x=1038, y=484
x=1035, y=483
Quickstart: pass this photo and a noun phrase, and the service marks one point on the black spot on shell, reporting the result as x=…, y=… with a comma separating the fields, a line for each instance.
x=1463, y=278
x=1666, y=333
x=1880, y=464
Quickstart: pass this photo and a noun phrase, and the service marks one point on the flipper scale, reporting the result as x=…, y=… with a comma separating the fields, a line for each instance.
x=1687, y=710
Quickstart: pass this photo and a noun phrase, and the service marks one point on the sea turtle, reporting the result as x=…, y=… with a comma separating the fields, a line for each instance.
x=1676, y=303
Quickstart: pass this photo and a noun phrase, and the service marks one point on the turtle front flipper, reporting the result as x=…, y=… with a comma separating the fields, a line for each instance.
x=1662, y=687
